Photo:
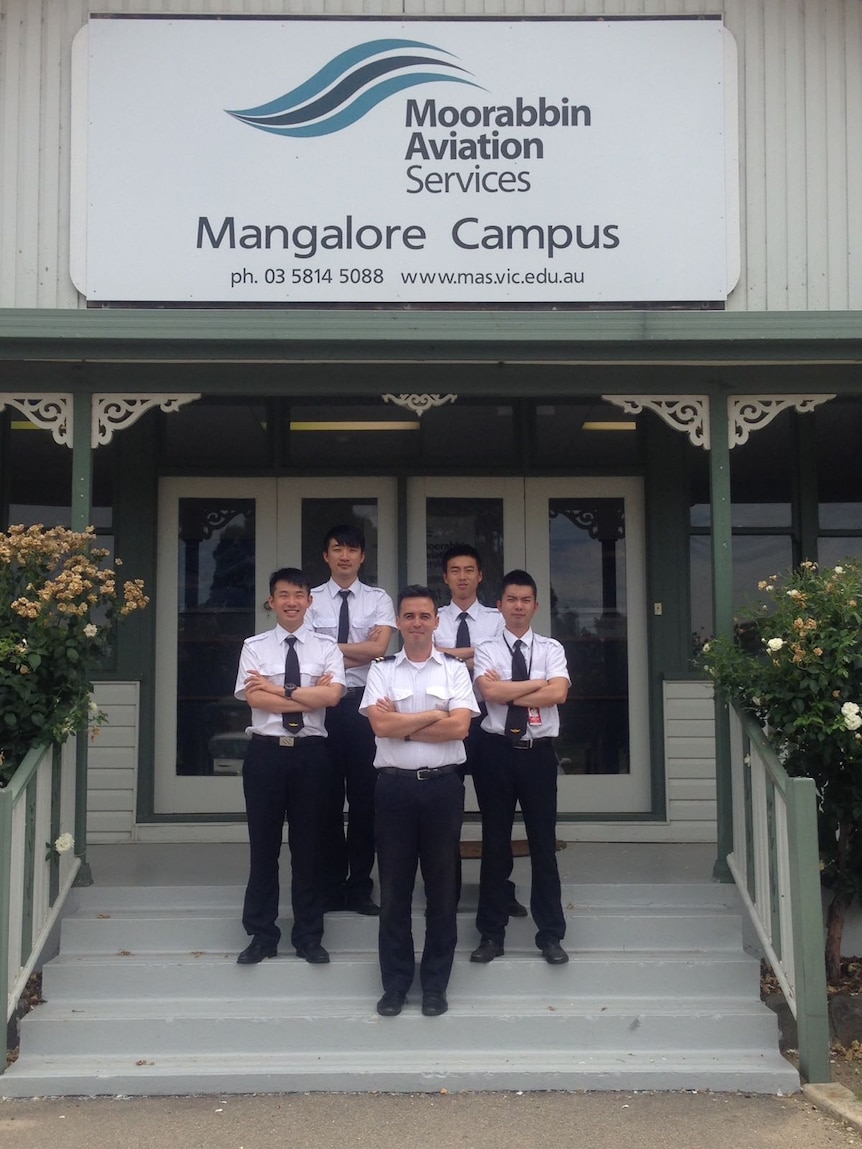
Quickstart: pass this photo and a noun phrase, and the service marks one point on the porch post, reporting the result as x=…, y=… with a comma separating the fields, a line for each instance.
x=722, y=599
x=82, y=497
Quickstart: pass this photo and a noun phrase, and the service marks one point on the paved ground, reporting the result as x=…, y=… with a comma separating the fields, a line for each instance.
x=428, y=1121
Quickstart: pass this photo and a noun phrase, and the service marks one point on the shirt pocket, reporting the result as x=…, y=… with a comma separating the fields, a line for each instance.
x=362, y=625
x=310, y=671
x=400, y=695
x=326, y=624
x=441, y=696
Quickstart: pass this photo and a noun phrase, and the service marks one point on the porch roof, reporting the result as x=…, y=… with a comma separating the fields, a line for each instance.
x=272, y=336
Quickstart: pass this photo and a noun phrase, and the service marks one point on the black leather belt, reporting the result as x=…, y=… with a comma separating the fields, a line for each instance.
x=420, y=775
x=525, y=743
x=291, y=741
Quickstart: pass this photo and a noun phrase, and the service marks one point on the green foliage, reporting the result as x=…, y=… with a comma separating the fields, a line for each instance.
x=59, y=605
x=796, y=664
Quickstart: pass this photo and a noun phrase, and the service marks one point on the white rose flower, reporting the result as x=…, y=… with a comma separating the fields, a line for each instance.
x=65, y=842
x=839, y=570
x=774, y=645
x=850, y=708
x=705, y=648
x=852, y=721
x=91, y=630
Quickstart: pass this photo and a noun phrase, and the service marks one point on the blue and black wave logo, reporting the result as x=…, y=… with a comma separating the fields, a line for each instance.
x=350, y=85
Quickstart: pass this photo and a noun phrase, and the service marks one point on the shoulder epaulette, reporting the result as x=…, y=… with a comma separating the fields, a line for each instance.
x=385, y=658
x=454, y=657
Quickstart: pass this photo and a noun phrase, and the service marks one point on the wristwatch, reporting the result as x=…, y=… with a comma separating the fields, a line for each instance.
x=289, y=688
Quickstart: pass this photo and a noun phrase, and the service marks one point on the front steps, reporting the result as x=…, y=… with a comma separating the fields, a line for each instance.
x=145, y=997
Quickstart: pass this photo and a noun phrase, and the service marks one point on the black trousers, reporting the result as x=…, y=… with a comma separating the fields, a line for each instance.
x=278, y=782
x=418, y=823
x=505, y=777
x=473, y=749
x=347, y=862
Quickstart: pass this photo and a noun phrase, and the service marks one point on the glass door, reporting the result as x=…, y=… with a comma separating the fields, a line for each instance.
x=582, y=540
x=220, y=539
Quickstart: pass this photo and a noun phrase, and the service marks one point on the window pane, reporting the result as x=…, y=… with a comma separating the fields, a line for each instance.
x=755, y=557
x=831, y=551
x=216, y=612
x=588, y=616
x=40, y=479
x=839, y=476
x=318, y=515
x=478, y=522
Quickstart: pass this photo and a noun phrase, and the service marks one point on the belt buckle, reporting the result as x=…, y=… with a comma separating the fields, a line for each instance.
x=286, y=740
x=424, y=774
x=522, y=744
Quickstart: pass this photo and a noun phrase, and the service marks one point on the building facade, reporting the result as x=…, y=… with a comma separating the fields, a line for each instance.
x=649, y=447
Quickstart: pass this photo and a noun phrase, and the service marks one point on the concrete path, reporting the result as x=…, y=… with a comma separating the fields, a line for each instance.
x=428, y=1121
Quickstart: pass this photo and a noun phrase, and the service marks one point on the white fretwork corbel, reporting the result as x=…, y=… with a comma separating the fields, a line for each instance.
x=418, y=404
x=747, y=413
x=116, y=412
x=689, y=413
x=52, y=412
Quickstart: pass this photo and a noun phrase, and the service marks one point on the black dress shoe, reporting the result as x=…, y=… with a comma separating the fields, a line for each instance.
x=433, y=1004
x=256, y=951
x=487, y=950
x=313, y=952
x=554, y=954
x=515, y=910
x=363, y=905
x=391, y=1003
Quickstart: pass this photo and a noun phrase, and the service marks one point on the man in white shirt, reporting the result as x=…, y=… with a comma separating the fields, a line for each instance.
x=524, y=679
x=288, y=675
x=361, y=619
x=419, y=703
x=464, y=624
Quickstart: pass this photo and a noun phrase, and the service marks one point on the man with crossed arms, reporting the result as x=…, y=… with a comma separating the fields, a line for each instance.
x=523, y=678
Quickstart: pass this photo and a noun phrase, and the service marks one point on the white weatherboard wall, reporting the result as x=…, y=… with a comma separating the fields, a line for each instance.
x=112, y=765
x=689, y=775
x=800, y=122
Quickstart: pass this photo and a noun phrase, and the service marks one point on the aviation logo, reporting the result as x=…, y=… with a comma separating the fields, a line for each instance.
x=350, y=85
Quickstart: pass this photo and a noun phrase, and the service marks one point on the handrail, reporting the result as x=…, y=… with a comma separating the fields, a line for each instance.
x=775, y=863
x=36, y=806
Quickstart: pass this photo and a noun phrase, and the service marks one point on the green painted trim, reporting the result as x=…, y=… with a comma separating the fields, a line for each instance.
x=279, y=335
x=722, y=590
x=7, y=805
x=56, y=798
x=809, y=962
x=29, y=868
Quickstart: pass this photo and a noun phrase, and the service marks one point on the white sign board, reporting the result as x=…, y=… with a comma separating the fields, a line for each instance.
x=478, y=162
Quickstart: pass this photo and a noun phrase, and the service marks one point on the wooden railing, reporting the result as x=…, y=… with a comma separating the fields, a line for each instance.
x=776, y=866
x=36, y=808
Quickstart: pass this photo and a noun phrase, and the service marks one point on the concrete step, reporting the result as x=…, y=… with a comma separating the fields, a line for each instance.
x=399, y=1072
x=601, y=974
x=329, y=1022
x=218, y=930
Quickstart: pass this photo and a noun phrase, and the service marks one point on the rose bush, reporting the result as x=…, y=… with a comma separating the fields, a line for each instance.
x=795, y=662
x=59, y=606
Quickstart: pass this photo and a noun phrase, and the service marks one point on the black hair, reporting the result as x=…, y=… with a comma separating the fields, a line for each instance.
x=416, y=591
x=460, y=549
x=292, y=575
x=346, y=534
x=519, y=578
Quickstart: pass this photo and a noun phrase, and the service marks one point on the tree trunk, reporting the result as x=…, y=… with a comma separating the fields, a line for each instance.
x=834, y=929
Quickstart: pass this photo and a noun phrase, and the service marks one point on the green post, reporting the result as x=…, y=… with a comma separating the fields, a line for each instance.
x=722, y=599
x=5, y=894
x=812, y=1018
x=82, y=510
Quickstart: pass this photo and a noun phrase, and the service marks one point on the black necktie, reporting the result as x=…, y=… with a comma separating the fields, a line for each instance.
x=292, y=722
x=462, y=638
x=343, y=617
x=516, y=718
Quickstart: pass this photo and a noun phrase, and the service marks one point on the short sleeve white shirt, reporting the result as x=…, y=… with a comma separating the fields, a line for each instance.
x=545, y=659
x=266, y=654
x=369, y=606
x=440, y=683
x=485, y=622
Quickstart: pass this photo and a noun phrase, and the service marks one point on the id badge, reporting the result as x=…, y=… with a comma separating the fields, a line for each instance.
x=534, y=716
